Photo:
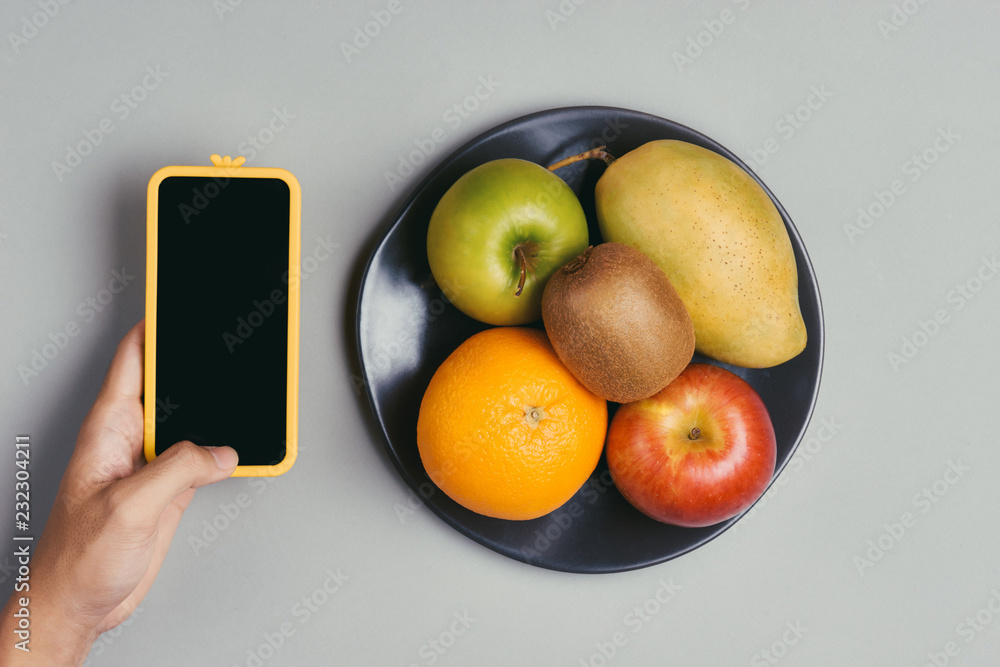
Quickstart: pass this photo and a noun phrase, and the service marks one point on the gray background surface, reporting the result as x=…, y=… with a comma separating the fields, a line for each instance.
x=818, y=574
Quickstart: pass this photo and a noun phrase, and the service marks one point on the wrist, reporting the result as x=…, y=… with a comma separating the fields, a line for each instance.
x=38, y=631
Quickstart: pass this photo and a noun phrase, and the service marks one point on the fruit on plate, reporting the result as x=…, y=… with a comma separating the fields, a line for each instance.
x=617, y=323
x=505, y=430
x=497, y=235
x=699, y=452
x=721, y=241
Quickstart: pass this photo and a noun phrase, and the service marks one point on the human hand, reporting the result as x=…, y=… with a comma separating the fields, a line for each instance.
x=112, y=522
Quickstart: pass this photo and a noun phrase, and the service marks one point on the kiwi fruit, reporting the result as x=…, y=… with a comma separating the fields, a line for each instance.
x=617, y=323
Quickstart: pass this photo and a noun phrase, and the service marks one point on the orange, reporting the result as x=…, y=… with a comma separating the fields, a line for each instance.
x=505, y=429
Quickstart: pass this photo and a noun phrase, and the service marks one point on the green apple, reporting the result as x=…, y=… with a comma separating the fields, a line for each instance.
x=498, y=234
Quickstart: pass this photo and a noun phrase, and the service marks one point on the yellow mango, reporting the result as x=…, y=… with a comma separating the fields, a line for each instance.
x=721, y=241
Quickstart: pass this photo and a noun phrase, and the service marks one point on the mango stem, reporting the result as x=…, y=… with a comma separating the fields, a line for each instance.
x=599, y=153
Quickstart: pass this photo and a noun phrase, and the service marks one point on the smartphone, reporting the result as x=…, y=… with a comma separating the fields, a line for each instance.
x=222, y=312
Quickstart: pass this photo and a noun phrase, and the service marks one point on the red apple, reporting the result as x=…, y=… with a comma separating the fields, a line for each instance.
x=699, y=452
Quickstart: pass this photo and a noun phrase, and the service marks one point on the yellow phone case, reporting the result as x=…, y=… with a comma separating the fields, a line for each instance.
x=229, y=168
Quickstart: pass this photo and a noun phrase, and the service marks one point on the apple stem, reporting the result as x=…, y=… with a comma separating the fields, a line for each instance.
x=694, y=434
x=519, y=254
x=601, y=152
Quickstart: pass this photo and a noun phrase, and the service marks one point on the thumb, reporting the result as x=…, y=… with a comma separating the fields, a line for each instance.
x=181, y=467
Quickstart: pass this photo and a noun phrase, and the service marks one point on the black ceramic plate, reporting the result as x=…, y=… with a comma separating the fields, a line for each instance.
x=406, y=329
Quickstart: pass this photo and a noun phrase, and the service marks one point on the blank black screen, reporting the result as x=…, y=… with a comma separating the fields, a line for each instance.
x=222, y=314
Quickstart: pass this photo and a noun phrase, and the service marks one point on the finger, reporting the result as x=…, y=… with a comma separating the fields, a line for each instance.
x=181, y=467
x=111, y=435
x=124, y=377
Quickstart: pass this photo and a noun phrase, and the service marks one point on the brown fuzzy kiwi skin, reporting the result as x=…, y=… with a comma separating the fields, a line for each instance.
x=617, y=323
